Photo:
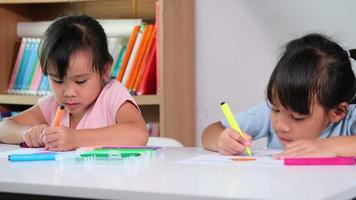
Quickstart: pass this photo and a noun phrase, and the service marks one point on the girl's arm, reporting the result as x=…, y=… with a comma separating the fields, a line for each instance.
x=12, y=129
x=211, y=134
x=344, y=145
x=328, y=147
x=130, y=130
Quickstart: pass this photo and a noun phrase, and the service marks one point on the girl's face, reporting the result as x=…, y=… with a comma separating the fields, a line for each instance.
x=291, y=126
x=81, y=85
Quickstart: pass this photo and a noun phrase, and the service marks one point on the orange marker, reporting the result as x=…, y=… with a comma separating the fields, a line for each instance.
x=58, y=116
x=242, y=158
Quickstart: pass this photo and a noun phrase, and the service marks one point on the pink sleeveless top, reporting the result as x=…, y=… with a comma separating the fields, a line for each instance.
x=101, y=113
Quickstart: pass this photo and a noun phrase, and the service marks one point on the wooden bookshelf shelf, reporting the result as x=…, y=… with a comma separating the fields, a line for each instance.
x=174, y=107
x=31, y=100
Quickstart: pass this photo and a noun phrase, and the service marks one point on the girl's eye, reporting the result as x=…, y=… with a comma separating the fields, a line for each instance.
x=297, y=118
x=275, y=110
x=81, y=82
x=57, y=81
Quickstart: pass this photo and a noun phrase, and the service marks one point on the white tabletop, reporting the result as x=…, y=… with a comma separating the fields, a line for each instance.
x=163, y=178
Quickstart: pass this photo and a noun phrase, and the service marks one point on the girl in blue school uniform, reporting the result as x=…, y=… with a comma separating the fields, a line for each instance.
x=309, y=109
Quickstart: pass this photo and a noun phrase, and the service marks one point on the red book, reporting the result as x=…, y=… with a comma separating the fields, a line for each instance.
x=151, y=43
x=158, y=16
x=148, y=82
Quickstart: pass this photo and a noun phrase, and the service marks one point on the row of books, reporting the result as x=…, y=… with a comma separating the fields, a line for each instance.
x=26, y=77
x=135, y=64
x=138, y=66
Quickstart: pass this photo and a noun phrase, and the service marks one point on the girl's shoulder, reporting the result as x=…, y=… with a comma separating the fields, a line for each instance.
x=114, y=85
x=351, y=114
x=113, y=95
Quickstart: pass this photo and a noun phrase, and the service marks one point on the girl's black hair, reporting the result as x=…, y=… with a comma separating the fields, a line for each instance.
x=69, y=34
x=312, y=66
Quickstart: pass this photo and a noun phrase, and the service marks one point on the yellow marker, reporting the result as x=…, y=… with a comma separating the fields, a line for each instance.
x=231, y=120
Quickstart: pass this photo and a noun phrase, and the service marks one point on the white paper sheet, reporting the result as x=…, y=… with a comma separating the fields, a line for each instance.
x=263, y=157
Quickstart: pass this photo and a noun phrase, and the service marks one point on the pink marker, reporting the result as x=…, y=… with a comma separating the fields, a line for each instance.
x=320, y=161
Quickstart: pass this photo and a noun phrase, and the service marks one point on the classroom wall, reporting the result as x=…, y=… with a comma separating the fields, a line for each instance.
x=238, y=43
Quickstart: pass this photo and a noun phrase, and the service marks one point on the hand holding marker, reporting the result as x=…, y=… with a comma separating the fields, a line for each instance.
x=231, y=120
x=56, y=122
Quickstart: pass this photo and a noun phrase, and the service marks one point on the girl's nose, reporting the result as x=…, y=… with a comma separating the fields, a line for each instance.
x=282, y=126
x=69, y=92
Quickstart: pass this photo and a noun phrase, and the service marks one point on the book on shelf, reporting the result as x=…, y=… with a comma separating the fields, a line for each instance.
x=130, y=52
x=149, y=76
x=127, y=55
x=141, y=50
x=158, y=16
x=131, y=60
x=146, y=60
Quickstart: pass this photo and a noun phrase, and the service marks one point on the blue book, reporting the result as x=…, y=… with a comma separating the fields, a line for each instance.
x=29, y=67
x=22, y=66
x=34, y=62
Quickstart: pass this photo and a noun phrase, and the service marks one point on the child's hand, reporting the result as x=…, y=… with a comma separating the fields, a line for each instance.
x=231, y=143
x=33, y=136
x=307, y=148
x=59, y=138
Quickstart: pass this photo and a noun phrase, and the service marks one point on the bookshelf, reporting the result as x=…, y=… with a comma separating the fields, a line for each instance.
x=174, y=106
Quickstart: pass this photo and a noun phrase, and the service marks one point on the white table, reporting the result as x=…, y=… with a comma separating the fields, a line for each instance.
x=162, y=178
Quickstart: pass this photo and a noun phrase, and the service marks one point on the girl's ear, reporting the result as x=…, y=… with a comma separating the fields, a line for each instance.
x=339, y=112
x=107, y=72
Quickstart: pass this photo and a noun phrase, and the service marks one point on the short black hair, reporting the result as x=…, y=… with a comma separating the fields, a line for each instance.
x=312, y=66
x=69, y=34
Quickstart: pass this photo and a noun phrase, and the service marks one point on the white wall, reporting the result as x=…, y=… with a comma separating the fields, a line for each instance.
x=238, y=43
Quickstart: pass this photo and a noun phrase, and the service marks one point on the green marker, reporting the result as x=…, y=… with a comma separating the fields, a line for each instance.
x=96, y=153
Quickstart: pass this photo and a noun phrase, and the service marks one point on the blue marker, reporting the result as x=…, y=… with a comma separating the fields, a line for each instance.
x=31, y=157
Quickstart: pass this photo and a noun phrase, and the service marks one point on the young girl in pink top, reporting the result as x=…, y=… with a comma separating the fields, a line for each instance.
x=98, y=111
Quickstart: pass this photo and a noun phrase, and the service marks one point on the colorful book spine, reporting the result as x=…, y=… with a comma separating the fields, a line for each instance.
x=151, y=43
x=16, y=66
x=30, y=66
x=148, y=82
x=115, y=46
x=36, y=79
x=141, y=50
x=118, y=63
x=158, y=17
x=128, y=52
x=22, y=67
x=133, y=56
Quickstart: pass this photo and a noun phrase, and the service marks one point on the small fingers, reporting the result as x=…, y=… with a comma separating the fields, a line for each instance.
x=34, y=140
x=49, y=138
x=27, y=139
x=246, y=140
x=230, y=143
x=51, y=146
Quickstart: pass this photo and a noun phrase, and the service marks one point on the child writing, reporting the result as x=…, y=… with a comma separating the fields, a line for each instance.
x=98, y=111
x=309, y=110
